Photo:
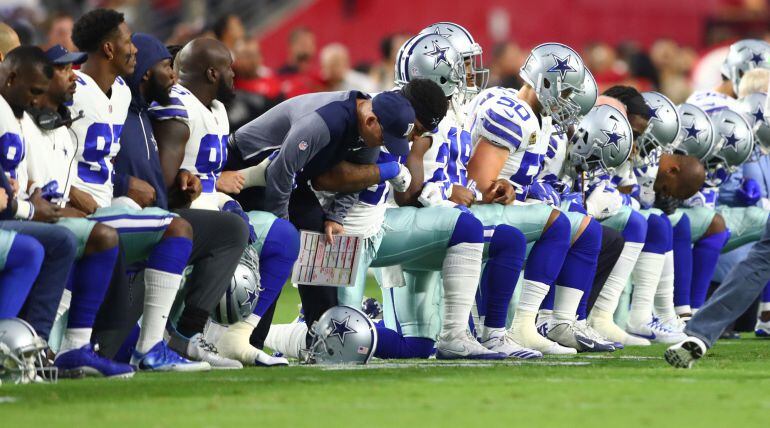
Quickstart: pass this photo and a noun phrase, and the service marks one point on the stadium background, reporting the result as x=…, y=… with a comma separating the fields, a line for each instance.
x=288, y=47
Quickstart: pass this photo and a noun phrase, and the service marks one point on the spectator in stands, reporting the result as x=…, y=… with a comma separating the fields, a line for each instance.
x=257, y=89
x=229, y=30
x=382, y=73
x=337, y=74
x=507, y=60
x=302, y=50
x=60, y=31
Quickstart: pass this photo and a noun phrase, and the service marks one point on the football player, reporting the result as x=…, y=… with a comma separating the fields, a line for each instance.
x=49, y=165
x=191, y=128
x=153, y=235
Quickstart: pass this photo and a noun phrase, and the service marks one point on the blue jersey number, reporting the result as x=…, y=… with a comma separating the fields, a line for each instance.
x=459, y=155
x=517, y=107
x=11, y=152
x=95, y=155
x=211, y=158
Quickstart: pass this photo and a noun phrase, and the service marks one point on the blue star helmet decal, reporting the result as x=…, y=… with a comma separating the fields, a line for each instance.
x=613, y=138
x=756, y=58
x=654, y=113
x=340, y=329
x=252, y=297
x=562, y=66
x=439, y=55
x=731, y=141
x=692, y=131
x=759, y=115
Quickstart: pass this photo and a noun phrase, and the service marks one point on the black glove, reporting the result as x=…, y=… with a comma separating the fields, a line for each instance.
x=667, y=204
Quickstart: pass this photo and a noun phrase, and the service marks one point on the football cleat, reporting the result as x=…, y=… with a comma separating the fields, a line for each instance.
x=86, y=360
x=762, y=328
x=464, y=346
x=197, y=348
x=603, y=324
x=234, y=344
x=657, y=332
x=567, y=335
x=589, y=332
x=544, y=322
x=162, y=359
x=524, y=332
x=501, y=342
x=684, y=354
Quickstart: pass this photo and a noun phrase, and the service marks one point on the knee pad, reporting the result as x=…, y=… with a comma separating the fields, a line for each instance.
x=561, y=227
x=468, y=230
x=636, y=228
x=507, y=240
x=658, y=238
x=284, y=239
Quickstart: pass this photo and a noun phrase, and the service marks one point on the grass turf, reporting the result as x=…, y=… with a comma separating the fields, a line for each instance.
x=632, y=387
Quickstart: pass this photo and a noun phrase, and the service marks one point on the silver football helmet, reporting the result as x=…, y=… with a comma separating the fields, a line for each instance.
x=753, y=108
x=734, y=141
x=242, y=295
x=743, y=56
x=556, y=73
x=428, y=56
x=587, y=99
x=20, y=353
x=696, y=132
x=343, y=335
x=471, y=52
x=663, y=126
x=602, y=140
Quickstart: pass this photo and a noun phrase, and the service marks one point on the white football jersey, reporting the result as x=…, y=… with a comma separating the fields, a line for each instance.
x=50, y=157
x=206, y=150
x=11, y=140
x=498, y=115
x=97, y=135
x=711, y=101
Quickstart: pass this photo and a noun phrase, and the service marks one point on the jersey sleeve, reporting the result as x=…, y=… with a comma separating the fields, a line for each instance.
x=495, y=125
x=175, y=110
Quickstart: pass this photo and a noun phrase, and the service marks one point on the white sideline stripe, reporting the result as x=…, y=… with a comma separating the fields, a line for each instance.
x=127, y=223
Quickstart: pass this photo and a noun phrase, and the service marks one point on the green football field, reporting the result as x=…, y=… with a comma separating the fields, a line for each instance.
x=632, y=387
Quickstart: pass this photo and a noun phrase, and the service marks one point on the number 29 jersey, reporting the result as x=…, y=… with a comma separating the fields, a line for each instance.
x=97, y=135
x=498, y=115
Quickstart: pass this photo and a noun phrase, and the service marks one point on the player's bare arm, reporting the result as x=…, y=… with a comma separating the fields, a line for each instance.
x=485, y=164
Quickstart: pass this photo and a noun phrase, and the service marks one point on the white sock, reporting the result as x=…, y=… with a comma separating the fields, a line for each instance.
x=565, y=304
x=160, y=290
x=532, y=295
x=461, y=271
x=488, y=332
x=664, y=295
x=764, y=307
x=64, y=303
x=252, y=320
x=683, y=310
x=75, y=338
x=287, y=339
x=646, y=277
x=609, y=296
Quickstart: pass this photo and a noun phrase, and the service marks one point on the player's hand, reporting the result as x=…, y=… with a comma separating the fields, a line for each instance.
x=461, y=195
x=749, y=192
x=82, y=201
x=230, y=182
x=402, y=180
x=3, y=199
x=500, y=192
x=332, y=228
x=141, y=192
x=189, y=183
x=72, y=212
x=14, y=186
x=44, y=211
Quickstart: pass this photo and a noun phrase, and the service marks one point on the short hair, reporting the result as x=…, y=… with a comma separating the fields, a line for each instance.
x=96, y=26
x=754, y=81
x=428, y=100
x=29, y=57
x=632, y=99
x=173, y=50
x=220, y=25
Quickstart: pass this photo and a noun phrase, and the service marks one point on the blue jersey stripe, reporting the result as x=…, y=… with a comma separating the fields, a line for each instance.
x=504, y=122
x=502, y=134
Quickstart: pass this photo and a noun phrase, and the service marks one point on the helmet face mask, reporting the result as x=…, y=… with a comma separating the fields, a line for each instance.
x=469, y=50
x=343, y=335
x=557, y=74
x=21, y=360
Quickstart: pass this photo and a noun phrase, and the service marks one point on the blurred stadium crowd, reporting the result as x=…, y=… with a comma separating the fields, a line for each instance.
x=666, y=66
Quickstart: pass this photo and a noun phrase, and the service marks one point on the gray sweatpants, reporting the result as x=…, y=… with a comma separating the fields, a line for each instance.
x=739, y=289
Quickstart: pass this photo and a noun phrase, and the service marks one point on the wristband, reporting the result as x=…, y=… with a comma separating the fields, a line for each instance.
x=24, y=210
x=388, y=170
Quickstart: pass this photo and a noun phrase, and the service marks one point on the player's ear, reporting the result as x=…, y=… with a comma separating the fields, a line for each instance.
x=212, y=74
x=109, y=50
x=11, y=77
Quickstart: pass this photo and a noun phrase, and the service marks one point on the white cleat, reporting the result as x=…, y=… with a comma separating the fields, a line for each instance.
x=656, y=332
x=762, y=328
x=603, y=323
x=463, y=346
x=234, y=344
x=685, y=353
x=500, y=342
x=197, y=348
x=523, y=332
x=566, y=334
